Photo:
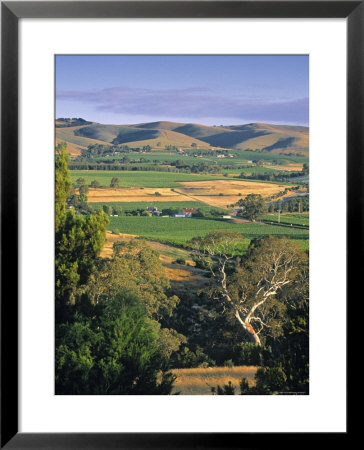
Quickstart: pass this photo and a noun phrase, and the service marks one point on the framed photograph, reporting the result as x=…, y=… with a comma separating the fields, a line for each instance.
x=171, y=174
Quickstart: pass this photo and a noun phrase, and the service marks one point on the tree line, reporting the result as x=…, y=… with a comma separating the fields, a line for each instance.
x=109, y=338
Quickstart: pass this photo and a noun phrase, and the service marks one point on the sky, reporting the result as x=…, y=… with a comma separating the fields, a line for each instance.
x=205, y=89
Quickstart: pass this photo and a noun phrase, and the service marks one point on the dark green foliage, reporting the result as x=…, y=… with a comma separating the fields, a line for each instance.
x=115, y=182
x=107, y=209
x=107, y=344
x=83, y=189
x=269, y=380
x=115, y=354
x=254, y=207
x=188, y=358
x=229, y=363
x=249, y=354
x=95, y=184
x=63, y=183
x=287, y=367
x=135, y=267
x=244, y=386
x=227, y=389
x=78, y=241
x=75, y=121
x=117, y=210
x=294, y=347
x=181, y=261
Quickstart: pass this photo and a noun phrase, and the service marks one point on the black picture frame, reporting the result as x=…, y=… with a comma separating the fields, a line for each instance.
x=11, y=12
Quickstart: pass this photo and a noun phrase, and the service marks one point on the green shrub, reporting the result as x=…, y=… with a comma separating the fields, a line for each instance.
x=229, y=363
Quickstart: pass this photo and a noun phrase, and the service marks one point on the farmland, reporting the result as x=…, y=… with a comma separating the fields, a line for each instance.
x=289, y=218
x=140, y=178
x=230, y=187
x=148, y=186
x=180, y=230
x=128, y=206
x=239, y=158
x=135, y=195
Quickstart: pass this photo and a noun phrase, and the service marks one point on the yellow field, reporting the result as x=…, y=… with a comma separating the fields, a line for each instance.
x=134, y=194
x=232, y=187
x=208, y=191
x=202, y=191
x=199, y=381
x=294, y=167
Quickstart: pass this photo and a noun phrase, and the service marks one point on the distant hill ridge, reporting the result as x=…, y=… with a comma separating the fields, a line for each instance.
x=259, y=137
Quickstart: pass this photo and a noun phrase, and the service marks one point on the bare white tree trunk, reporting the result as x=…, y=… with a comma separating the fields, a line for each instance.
x=248, y=328
x=244, y=321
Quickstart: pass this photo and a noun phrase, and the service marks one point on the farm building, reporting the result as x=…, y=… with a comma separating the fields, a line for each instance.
x=236, y=211
x=189, y=211
x=154, y=211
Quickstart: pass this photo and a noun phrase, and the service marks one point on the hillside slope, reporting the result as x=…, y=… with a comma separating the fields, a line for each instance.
x=278, y=139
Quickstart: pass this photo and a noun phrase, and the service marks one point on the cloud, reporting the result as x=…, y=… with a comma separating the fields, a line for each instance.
x=196, y=102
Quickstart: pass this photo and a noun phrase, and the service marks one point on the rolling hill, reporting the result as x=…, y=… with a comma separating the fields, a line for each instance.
x=260, y=137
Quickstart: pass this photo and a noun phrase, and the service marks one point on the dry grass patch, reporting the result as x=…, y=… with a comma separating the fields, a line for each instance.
x=295, y=167
x=199, y=381
x=202, y=191
x=230, y=187
x=107, y=250
x=133, y=194
x=185, y=277
x=72, y=149
x=218, y=201
x=208, y=192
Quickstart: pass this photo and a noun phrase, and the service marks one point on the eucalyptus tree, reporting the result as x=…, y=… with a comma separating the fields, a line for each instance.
x=248, y=286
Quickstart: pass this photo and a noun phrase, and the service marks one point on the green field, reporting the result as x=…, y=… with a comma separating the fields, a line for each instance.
x=139, y=178
x=133, y=206
x=290, y=218
x=181, y=230
x=260, y=169
x=247, y=155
